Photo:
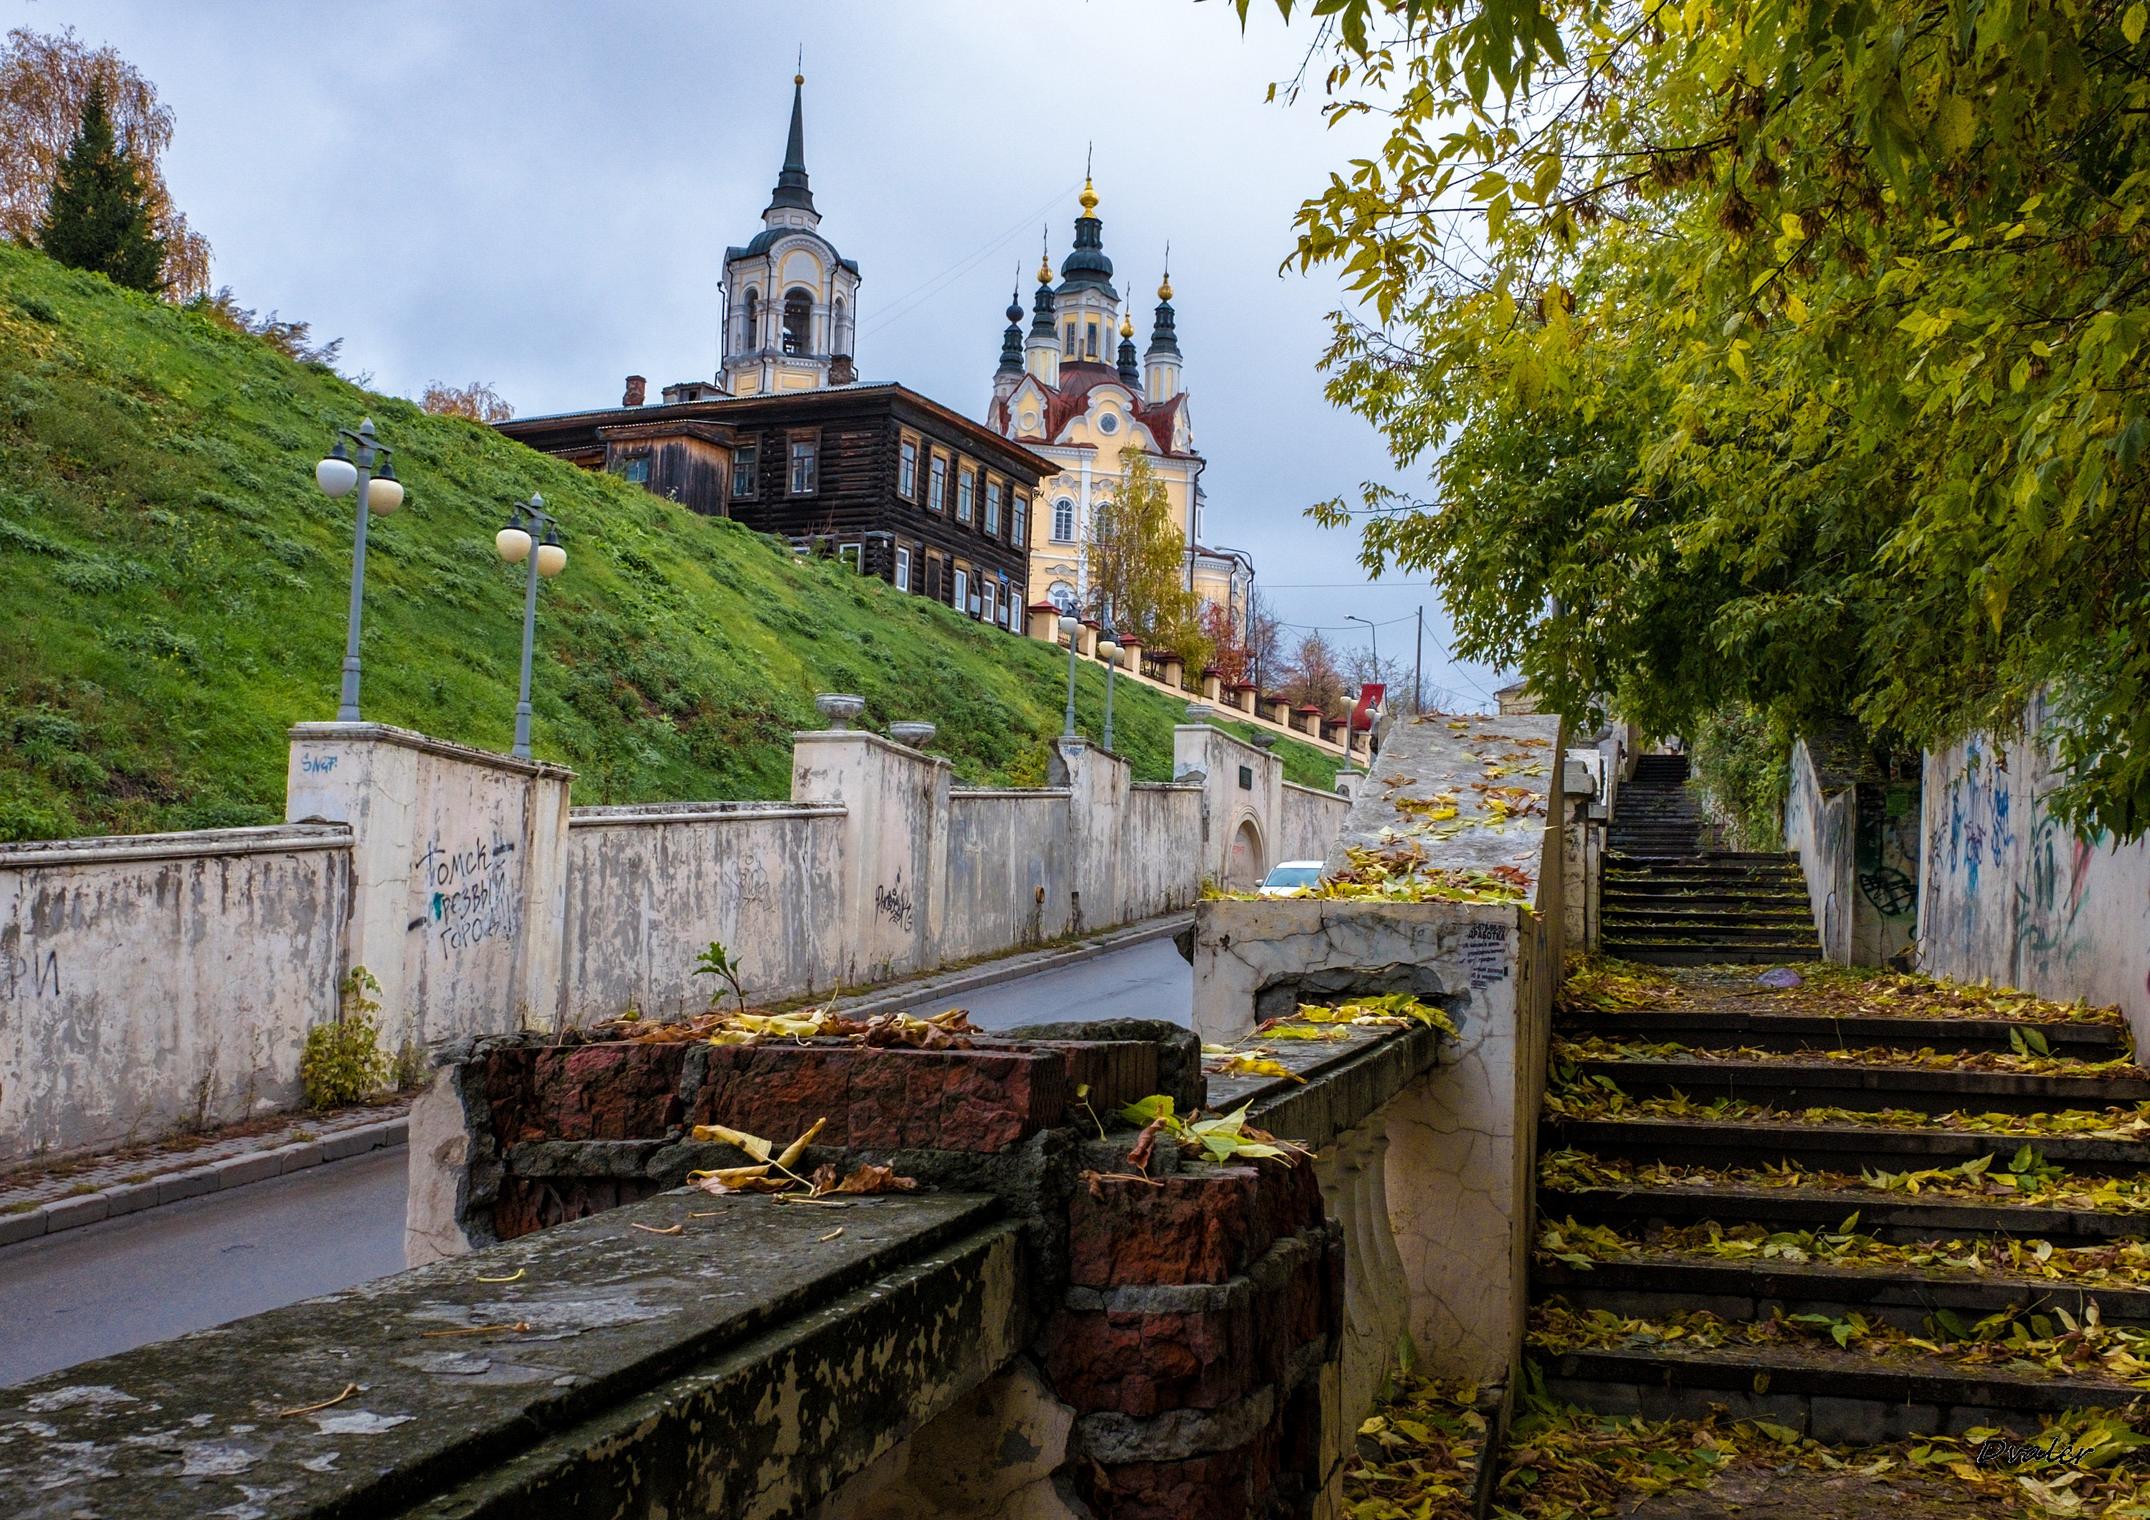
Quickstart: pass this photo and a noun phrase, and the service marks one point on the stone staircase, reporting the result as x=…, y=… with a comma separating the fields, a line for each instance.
x=1709, y=1239
x=1669, y=902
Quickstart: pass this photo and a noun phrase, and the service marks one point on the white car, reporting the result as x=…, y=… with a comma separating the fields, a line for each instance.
x=1288, y=876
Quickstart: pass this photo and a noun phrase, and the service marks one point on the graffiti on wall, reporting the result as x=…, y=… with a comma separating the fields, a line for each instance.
x=29, y=976
x=473, y=891
x=894, y=904
x=2051, y=897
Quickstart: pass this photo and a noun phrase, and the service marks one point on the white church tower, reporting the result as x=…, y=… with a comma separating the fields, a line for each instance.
x=790, y=300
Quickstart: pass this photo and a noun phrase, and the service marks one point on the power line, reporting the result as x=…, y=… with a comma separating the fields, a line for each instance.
x=905, y=304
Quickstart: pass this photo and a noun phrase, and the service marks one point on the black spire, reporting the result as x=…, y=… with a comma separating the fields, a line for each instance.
x=1130, y=374
x=791, y=192
x=1011, y=341
x=1087, y=265
x=1164, y=339
x=1041, y=324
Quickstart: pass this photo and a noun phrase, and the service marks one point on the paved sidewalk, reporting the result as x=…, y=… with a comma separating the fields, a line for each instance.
x=39, y=1200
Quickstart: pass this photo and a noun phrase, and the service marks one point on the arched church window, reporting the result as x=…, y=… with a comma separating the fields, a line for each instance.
x=798, y=321
x=752, y=337
x=1064, y=520
x=1062, y=595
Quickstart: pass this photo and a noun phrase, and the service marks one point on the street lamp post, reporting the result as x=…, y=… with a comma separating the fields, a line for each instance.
x=1108, y=645
x=515, y=543
x=1069, y=623
x=337, y=475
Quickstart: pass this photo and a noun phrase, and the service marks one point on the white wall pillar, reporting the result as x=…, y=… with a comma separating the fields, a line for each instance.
x=458, y=873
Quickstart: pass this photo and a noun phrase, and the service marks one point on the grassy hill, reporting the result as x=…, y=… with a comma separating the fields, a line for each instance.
x=173, y=591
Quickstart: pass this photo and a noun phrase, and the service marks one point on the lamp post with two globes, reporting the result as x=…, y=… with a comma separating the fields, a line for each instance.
x=338, y=475
x=515, y=543
x=1108, y=645
x=1070, y=624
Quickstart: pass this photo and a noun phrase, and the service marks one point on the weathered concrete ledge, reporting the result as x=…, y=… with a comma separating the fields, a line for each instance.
x=759, y=1353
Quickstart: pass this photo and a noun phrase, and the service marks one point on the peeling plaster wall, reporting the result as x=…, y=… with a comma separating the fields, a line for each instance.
x=649, y=888
x=1456, y=1152
x=1161, y=834
x=459, y=870
x=480, y=904
x=1010, y=871
x=2008, y=894
x=156, y=981
x=1820, y=828
x=1308, y=821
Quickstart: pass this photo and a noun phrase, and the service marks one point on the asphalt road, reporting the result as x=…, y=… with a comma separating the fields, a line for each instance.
x=163, y=1272
x=1145, y=981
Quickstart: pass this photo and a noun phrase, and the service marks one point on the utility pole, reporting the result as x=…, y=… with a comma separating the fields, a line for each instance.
x=1418, y=671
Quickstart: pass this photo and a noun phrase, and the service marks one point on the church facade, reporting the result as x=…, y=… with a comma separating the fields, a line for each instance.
x=1065, y=390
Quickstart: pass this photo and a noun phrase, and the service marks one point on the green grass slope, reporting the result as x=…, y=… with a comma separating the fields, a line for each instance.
x=173, y=591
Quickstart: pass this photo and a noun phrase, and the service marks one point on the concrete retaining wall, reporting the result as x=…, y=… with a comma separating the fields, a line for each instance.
x=2009, y=894
x=158, y=981
x=1307, y=821
x=649, y=888
x=147, y=983
x=1856, y=836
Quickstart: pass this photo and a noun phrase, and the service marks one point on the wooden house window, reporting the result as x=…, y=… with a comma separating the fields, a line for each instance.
x=746, y=459
x=1019, y=511
x=635, y=471
x=853, y=555
x=992, y=602
x=963, y=592
x=805, y=466
x=966, y=488
x=992, y=508
x=903, y=567
x=907, y=469
x=933, y=576
x=937, y=484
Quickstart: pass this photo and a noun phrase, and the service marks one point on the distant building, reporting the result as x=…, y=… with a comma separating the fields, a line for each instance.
x=788, y=441
x=1063, y=391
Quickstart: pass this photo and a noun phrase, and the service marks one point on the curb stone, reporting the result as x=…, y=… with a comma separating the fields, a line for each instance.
x=169, y=1187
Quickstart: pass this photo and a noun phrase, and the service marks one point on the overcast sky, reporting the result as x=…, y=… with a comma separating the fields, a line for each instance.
x=539, y=195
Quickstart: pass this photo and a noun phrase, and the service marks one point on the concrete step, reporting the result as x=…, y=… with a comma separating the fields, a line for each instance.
x=1655, y=1284
x=1834, y=1147
x=1660, y=953
x=1725, y=930
x=1765, y=1030
x=1891, y=1216
x=1794, y=1083
x=1701, y=898
x=1830, y=1394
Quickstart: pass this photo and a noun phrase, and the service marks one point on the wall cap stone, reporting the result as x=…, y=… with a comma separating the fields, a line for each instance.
x=266, y=839
x=426, y=744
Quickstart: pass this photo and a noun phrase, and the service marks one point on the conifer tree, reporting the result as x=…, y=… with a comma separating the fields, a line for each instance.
x=98, y=217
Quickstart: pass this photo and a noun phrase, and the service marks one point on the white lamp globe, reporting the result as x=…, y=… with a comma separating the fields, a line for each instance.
x=335, y=476
x=1106, y=649
x=513, y=545
x=551, y=559
x=384, y=493
x=1069, y=622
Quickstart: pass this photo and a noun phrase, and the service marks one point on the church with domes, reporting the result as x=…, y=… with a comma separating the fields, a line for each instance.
x=1071, y=389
